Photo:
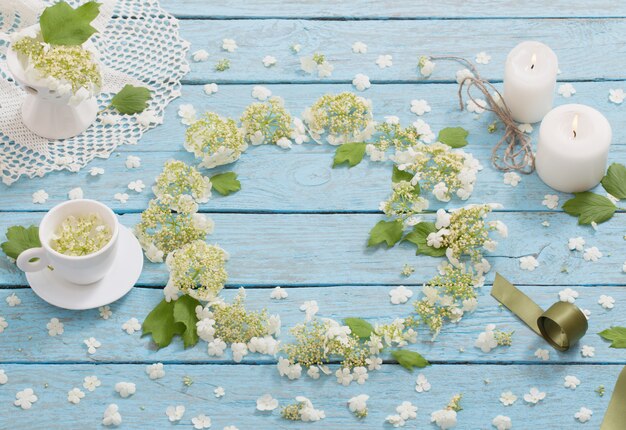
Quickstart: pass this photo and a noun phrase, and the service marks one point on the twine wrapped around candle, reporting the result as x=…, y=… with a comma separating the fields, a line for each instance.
x=513, y=151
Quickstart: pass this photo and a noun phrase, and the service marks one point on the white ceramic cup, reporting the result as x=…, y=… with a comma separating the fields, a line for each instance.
x=80, y=270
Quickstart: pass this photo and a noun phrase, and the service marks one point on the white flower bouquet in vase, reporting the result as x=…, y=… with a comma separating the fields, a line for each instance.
x=58, y=67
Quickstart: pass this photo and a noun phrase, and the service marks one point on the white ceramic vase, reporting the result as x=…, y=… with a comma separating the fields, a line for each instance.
x=47, y=113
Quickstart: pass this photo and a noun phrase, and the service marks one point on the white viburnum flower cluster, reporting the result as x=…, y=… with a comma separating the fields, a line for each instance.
x=343, y=117
x=267, y=123
x=215, y=140
x=316, y=63
x=302, y=410
x=177, y=178
x=197, y=269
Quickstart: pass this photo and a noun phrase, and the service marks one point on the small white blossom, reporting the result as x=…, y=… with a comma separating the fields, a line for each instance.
x=229, y=45
x=360, y=375
x=13, y=300
x=512, y=179
x=359, y=48
x=219, y=392
x=310, y=308
x=187, y=113
x=55, y=327
x=201, y=422
x=3, y=377
x=278, y=294
x=583, y=415
x=154, y=254
x=239, y=350
x=109, y=119
x=40, y=197
x=534, y=396
x=111, y=416
x=285, y=368
x=462, y=75
x=551, y=201
x=132, y=162
x=568, y=295
x=266, y=403
x=508, y=398
x=210, y=89
x=424, y=130
x=617, y=96
x=444, y=418
x=25, y=398
x=3, y=324
x=344, y=377
x=476, y=106
x=426, y=67
x=75, y=193
x=361, y=82
x=420, y=107
x=395, y=420
x=592, y=254
x=384, y=61
x=131, y=326
x=571, y=382
x=175, y=413
x=528, y=262
x=260, y=92
x=269, y=61
x=576, y=243
x=105, y=312
x=483, y=58
x=216, y=347
x=400, y=295
x=358, y=403
x=502, y=422
x=542, y=354
x=125, y=389
x=136, y=186
x=486, y=340
x=92, y=345
x=374, y=362
x=421, y=384
x=200, y=55
x=91, y=383
x=587, y=351
x=525, y=128
x=407, y=411
x=121, y=197
x=155, y=371
x=566, y=90
x=607, y=302
x=74, y=395
x=95, y=171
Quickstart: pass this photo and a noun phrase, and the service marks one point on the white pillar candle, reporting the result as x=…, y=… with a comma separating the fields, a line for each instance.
x=529, y=81
x=573, y=148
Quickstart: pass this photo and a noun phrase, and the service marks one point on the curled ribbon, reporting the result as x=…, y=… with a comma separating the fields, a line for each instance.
x=615, y=416
x=562, y=325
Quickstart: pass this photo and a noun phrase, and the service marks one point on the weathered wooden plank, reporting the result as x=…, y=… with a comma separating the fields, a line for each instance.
x=244, y=384
x=595, y=40
x=391, y=9
x=26, y=338
x=322, y=249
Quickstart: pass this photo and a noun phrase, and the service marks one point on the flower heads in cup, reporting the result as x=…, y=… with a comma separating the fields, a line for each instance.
x=163, y=230
x=344, y=117
x=316, y=63
x=267, y=123
x=198, y=269
x=215, y=140
x=81, y=235
x=177, y=178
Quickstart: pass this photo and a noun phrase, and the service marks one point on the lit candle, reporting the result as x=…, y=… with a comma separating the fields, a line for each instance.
x=529, y=81
x=573, y=148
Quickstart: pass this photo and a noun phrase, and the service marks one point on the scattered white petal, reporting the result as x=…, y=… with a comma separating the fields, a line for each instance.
x=90, y=383
x=571, y=382
x=568, y=295
x=55, y=327
x=260, y=92
x=175, y=413
x=421, y=384
x=40, y=197
x=201, y=422
x=528, y=262
x=542, y=354
x=420, y=107
x=551, y=201
x=121, y=197
x=607, y=302
x=75, y=193
x=525, y=128
x=576, y=243
x=155, y=371
x=131, y=326
x=534, y=396
x=508, y=398
x=111, y=416
x=74, y=395
x=187, y=113
x=310, y=308
x=592, y=254
x=219, y=392
x=476, y=106
x=384, y=61
x=125, y=389
x=25, y=398
x=136, y=186
x=210, y=89
x=483, y=58
x=359, y=48
x=502, y=422
x=266, y=403
x=133, y=162
x=399, y=295
x=3, y=377
x=200, y=55
x=583, y=415
x=105, y=312
x=512, y=179
x=229, y=45
x=92, y=345
x=269, y=61
x=278, y=293
x=617, y=96
x=13, y=300
x=566, y=90
x=361, y=82
x=95, y=171
x=587, y=351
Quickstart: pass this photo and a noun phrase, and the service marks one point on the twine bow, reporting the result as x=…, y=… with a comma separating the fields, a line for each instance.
x=513, y=151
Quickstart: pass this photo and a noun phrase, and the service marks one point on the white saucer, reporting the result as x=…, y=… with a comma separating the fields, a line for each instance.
x=119, y=281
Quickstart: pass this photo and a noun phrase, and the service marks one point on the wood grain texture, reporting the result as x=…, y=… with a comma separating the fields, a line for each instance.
x=26, y=339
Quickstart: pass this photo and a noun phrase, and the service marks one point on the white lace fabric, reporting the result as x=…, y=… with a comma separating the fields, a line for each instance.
x=139, y=44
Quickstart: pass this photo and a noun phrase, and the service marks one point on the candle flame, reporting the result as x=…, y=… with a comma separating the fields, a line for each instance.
x=575, y=125
x=533, y=60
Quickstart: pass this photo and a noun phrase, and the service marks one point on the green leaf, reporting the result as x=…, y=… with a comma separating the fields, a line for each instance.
x=20, y=239
x=359, y=327
x=389, y=232
x=418, y=237
x=590, y=207
x=409, y=359
x=351, y=153
x=131, y=100
x=63, y=25
x=226, y=183
x=161, y=325
x=398, y=175
x=453, y=136
x=185, y=313
x=617, y=336
x=615, y=181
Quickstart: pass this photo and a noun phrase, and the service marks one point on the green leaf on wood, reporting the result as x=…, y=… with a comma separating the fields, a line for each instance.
x=409, y=359
x=617, y=336
x=389, y=232
x=398, y=175
x=226, y=183
x=456, y=137
x=63, y=25
x=590, y=207
x=20, y=239
x=185, y=313
x=359, y=327
x=351, y=153
x=160, y=323
x=615, y=181
x=419, y=237
x=131, y=100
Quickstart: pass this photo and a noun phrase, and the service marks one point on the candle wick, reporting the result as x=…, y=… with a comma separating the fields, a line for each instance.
x=532, y=66
x=574, y=134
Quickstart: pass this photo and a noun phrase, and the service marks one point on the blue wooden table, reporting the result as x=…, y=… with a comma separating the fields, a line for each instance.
x=302, y=225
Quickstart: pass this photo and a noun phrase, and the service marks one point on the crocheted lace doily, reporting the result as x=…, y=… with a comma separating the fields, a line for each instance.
x=139, y=44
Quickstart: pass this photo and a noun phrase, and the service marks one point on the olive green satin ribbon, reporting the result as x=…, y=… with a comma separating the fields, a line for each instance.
x=561, y=325
x=615, y=416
